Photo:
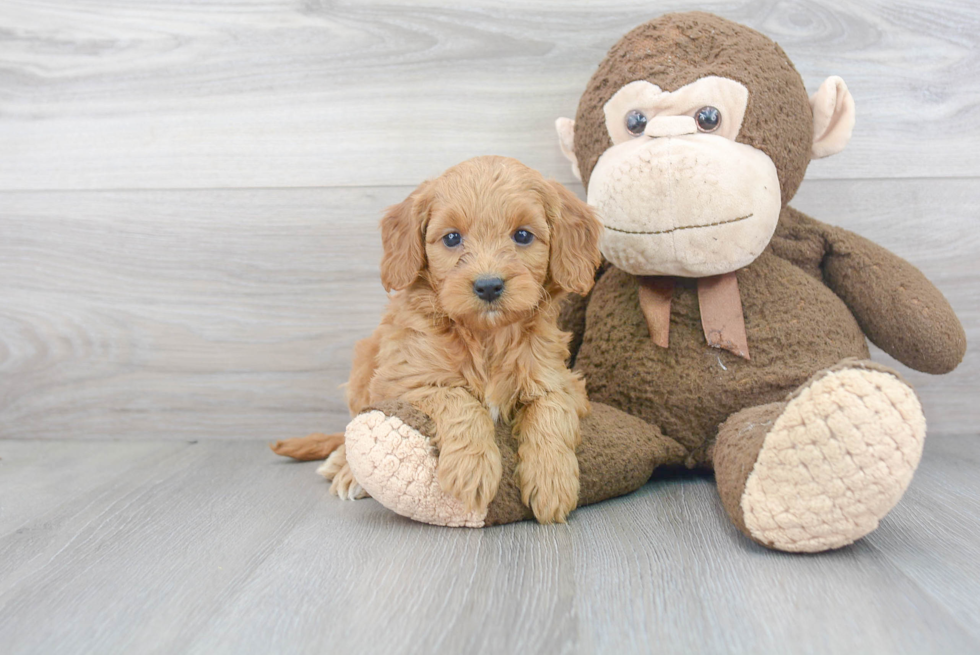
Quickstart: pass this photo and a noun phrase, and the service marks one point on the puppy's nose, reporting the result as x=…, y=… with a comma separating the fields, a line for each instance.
x=488, y=288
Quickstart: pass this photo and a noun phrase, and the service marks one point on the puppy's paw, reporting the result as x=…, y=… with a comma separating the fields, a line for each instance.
x=343, y=484
x=549, y=484
x=471, y=473
x=346, y=487
x=334, y=463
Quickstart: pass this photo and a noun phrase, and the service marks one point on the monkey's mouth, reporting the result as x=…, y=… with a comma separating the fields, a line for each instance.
x=682, y=227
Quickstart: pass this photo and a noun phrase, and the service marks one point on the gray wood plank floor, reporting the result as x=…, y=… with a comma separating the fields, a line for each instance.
x=219, y=547
x=188, y=200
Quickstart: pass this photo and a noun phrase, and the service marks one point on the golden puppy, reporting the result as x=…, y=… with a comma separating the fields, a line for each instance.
x=480, y=258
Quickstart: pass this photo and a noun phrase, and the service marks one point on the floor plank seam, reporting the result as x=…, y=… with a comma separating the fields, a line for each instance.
x=411, y=185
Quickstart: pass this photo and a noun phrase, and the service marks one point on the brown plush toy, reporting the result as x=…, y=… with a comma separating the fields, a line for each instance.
x=726, y=330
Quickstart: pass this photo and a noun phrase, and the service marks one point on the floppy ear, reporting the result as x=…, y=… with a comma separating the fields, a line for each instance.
x=833, y=117
x=403, y=238
x=575, y=233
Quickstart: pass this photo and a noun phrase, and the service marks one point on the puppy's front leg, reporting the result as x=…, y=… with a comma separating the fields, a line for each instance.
x=469, y=465
x=547, y=431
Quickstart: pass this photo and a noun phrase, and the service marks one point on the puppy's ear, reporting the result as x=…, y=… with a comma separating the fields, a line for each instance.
x=403, y=238
x=575, y=233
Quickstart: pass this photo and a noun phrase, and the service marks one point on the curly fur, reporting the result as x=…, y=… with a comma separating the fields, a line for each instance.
x=468, y=363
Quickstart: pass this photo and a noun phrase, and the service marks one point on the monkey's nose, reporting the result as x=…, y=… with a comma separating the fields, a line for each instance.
x=488, y=288
x=670, y=126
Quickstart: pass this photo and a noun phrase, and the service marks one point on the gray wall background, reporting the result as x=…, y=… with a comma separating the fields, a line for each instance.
x=189, y=191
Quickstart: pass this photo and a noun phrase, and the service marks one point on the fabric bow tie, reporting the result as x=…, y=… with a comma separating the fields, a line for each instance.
x=720, y=304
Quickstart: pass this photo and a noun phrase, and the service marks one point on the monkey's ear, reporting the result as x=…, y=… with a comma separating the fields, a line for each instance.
x=566, y=139
x=575, y=233
x=833, y=117
x=403, y=239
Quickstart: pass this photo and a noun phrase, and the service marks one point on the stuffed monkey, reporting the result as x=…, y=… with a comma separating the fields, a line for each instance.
x=726, y=330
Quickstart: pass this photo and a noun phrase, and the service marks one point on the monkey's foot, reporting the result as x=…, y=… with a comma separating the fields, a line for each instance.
x=395, y=463
x=820, y=470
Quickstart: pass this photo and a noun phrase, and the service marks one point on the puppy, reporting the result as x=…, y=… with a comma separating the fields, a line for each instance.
x=479, y=259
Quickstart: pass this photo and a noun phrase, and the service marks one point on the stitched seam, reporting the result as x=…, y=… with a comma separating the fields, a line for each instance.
x=682, y=227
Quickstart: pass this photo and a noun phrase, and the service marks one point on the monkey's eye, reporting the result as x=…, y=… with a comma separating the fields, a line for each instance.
x=708, y=119
x=636, y=122
x=452, y=239
x=523, y=237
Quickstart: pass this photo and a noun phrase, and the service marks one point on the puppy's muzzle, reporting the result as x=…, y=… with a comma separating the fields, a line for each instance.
x=488, y=289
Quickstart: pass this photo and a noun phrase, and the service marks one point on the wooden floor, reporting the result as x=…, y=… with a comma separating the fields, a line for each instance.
x=189, y=197
x=219, y=547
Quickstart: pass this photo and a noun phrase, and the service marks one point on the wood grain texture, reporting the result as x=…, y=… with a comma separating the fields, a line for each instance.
x=931, y=535
x=188, y=201
x=223, y=314
x=217, y=547
x=233, y=313
x=160, y=94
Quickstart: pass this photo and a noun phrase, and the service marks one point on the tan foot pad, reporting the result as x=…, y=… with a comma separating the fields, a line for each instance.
x=396, y=465
x=837, y=459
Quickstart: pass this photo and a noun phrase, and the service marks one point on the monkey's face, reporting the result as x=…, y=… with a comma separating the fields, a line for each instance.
x=676, y=193
x=691, y=182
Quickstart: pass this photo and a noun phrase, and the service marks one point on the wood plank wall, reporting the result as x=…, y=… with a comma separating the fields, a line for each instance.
x=189, y=191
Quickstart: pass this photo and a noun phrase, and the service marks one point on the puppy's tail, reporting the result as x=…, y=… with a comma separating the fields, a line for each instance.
x=310, y=447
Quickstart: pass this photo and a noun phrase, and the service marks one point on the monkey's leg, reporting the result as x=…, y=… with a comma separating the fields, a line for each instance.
x=390, y=456
x=819, y=470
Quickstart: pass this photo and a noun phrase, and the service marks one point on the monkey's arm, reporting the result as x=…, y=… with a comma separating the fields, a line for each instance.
x=893, y=302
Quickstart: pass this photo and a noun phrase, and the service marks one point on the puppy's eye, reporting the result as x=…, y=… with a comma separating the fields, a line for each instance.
x=523, y=237
x=452, y=239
